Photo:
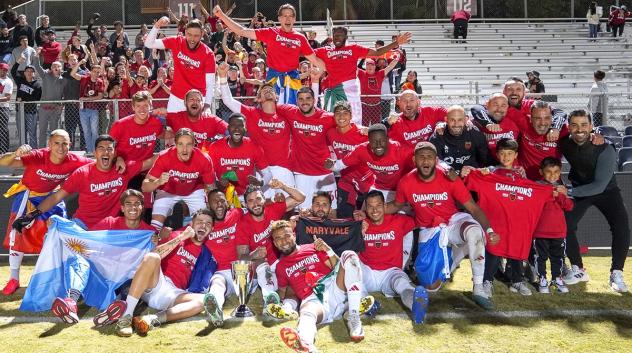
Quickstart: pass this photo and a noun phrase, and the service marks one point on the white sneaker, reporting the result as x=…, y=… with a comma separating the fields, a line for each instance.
x=575, y=275
x=561, y=286
x=488, y=288
x=543, y=288
x=355, y=327
x=520, y=287
x=617, y=283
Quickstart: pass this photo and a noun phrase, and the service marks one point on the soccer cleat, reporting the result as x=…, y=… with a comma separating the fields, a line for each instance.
x=11, y=286
x=482, y=293
x=272, y=298
x=145, y=323
x=520, y=287
x=366, y=304
x=276, y=311
x=214, y=314
x=561, y=286
x=372, y=311
x=617, y=283
x=110, y=315
x=290, y=337
x=488, y=288
x=356, y=332
x=543, y=286
x=575, y=275
x=124, y=326
x=420, y=304
x=65, y=309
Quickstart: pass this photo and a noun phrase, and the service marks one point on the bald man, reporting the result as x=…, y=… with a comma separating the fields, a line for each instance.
x=461, y=144
x=415, y=123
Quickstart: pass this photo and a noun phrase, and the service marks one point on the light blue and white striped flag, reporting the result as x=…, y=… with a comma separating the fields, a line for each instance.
x=105, y=260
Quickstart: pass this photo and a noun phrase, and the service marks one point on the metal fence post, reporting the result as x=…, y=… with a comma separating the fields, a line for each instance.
x=436, y=6
x=300, y=10
x=573, y=10
x=81, y=19
x=122, y=11
x=482, y=8
x=392, y=16
x=256, y=6
x=344, y=9
x=19, y=120
x=526, y=11
x=477, y=92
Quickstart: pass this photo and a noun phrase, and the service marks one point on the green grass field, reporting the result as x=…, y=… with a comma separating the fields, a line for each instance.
x=591, y=318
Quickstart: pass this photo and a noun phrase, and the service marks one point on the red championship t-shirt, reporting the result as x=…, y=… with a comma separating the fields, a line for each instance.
x=508, y=129
x=204, y=128
x=291, y=269
x=255, y=234
x=191, y=66
x=160, y=92
x=89, y=89
x=434, y=202
x=271, y=133
x=118, y=223
x=358, y=176
x=384, y=243
x=534, y=148
x=185, y=177
x=179, y=263
x=284, y=48
x=371, y=84
x=42, y=175
x=136, y=142
x=222, y=242
x=242, y=160
x=99, y=191
x=410, y=132
x=341, y=62
x=513, y=207
x=308, y=149
x=388, y=169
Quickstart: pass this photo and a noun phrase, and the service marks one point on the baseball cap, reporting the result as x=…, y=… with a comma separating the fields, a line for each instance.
x=369, y=61
x=29, y=67
x=4, y=66
x=260, y=61
x=252, y=53
x=233, y=67
x=49, y=31
x=425, y=145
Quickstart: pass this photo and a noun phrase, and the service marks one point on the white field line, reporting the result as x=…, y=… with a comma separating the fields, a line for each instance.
x=446, y=315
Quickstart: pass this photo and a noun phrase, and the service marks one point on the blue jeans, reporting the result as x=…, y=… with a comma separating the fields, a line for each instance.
x=5, y=58
x=30, y=123
x=90, y=125
x=592, y=31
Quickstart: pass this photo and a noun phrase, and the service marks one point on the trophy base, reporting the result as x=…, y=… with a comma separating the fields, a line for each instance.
x=242, y=311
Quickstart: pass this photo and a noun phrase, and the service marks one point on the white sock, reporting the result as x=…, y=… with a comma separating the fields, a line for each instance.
x=15, y=261
x=161, y=316
x=156, y=224
x=218, y=289
x=402, y=286
x=475, y=240
x=353, y=280
x=307, y=327
x=289, y=304
x=131, y=305
x=266, y=279
x=407, y=297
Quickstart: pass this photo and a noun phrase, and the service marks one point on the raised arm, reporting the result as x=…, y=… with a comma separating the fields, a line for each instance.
x=227, y=97
x=12, y=159
x=390, y=67
x=400, y=40
x=234, y=26
x=151, y=41
x=166, y=248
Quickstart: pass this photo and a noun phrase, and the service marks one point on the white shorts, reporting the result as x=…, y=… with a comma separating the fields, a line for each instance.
x=379, y=280
x=310, y=184
x=334, y=302
x=282, y=174
x=228, y=277
x=164, y=202
x=175, y=105
x=163, y=295
x=451, y=236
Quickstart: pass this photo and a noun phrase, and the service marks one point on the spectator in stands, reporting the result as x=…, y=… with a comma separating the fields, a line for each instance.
x=617, y=20
x=10, y=17
x=411, y=83
x=397, y=54
x=23, y=53
x=52, y=90
x=139, y=41
x=182, y=21
x=42, y=29
x=50, y=48
x=598, y=101
x=534, y=84
x=593, y=183
x=119, y=42
x=213, y=20
x=72, y=92
x=311, y=39
x=92, y=88
x=160, y=88
x=23, y=29
x=460, y=19
x=371, y=83
x=5, y=44
x=29, y=89
x=138, y=61
x=75, y=47
x=6, y=90
x=593, y=21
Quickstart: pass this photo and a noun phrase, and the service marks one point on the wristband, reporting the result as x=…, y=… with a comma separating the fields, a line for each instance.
x=331, y=253
x=489, y=230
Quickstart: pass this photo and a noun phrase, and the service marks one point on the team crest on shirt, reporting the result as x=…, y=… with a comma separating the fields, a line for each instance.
x=538, y=146
x=512, y=196
x=378, y=244
x=468, y=145
x=430, y=204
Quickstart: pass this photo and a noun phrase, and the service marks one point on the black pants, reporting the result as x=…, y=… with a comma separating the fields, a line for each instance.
x=345, y=209
x=4, y=129
x=513, y=270
x=460, y=29
x=71, y=123
x=549, y=249
x=617, y=28
x=610, y=204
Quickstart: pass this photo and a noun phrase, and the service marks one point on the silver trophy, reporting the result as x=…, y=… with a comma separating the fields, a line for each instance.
x=242, y=278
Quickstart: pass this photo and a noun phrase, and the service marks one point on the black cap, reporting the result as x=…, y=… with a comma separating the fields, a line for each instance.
x=49, y=31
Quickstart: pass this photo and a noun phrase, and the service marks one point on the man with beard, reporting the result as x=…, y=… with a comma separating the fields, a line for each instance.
x=415, y=123
x=132, y=203
x=205, y=126
x=386, y=252
x=193, y=61
x=388, y=160
x=44, y=170
x=222, y=244
x=341, y=60
x=162, y=278
x=266, y=126
x=99, y=185
x=253, y=235
x=433, y=198
x=502, y=126
x=325, y=284
x=237, y=153
x=594, y=183
x=180, y=173
x=460, y=145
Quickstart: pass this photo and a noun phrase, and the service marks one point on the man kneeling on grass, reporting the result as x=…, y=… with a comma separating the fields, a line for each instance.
x=162, y=278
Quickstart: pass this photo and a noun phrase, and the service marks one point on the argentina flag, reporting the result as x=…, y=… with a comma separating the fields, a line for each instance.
x=95, y=263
